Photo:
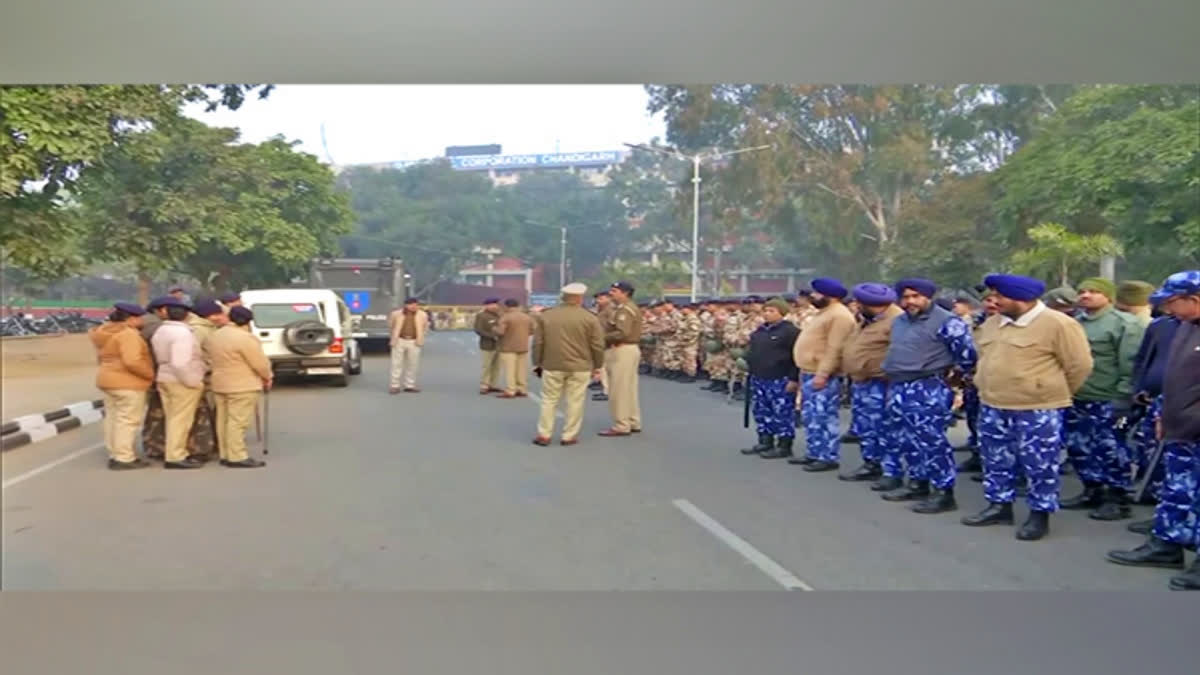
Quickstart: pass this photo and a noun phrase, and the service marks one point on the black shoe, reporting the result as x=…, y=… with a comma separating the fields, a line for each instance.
x=850, y=438
x=739, y=396
x=917, y=489
x=249, y=463
x=940, y=501
x=688, y=379
x=600, y=397
x=765, y=442
x=821, y=466
x=1092, y=497
x=802, y=461
x=994, y=514
x=868, y=471
x=188, y=463
x=114, y=465
x=887, y=484
x=783, y=450
x=1189, y=580
x=972, y=464
x=1141, y=527
x=1036, y=526
x=1115, y=506
x=1154, y=553
x=715, y=385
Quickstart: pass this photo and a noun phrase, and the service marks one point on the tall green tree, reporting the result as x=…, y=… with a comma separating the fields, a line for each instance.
x=1121, y=160
x=50, y=135
x=186, y=196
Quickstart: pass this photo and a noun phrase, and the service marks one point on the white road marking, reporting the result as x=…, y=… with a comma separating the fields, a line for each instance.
x=50, y=465
x=757, y=558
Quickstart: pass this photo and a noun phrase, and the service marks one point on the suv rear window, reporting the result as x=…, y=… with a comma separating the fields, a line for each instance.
x=280, y=315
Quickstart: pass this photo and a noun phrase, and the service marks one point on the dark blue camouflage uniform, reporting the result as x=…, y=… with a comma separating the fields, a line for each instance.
x=774, y=407
x=869, y=400
x=1097, y=451
x=819, y=408
x=922, y=408
x=1021, y=443
x=1177, y=515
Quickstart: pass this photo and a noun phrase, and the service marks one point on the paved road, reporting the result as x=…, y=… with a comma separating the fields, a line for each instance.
x=443, y=490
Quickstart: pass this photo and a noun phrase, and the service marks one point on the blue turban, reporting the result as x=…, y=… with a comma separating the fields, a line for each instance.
x=130, y=308
x=1023, y=289
x=923, y=286
x=874, y=295
x=830, y=287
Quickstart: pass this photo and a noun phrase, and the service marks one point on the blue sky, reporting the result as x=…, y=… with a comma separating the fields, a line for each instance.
x=382, y=123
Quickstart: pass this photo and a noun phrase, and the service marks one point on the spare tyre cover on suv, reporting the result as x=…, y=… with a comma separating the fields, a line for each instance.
x=307, y=337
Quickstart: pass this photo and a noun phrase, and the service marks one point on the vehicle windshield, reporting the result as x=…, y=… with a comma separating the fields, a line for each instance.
x=280, y=315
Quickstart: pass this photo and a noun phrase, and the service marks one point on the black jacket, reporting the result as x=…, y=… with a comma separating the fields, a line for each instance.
x=1181, y=386
x=770, y=356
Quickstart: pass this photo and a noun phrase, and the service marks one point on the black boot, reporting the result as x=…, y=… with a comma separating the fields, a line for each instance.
x=1036, y=526
x=916, y=489
x=972, y=464
x=887, y=484
x=766, y=442
x=127, y=466
x=940, y=501
x=1115, y=506
x=739, y=395
x=1154, y=553
x=801, y=461
x=687, y=379
x=1092, y=497
x=850, y=438
x=868, y=471
x=1189, y=580
x=994, y=514
x=821, y=466
x=1141, y=527
x=783, y=449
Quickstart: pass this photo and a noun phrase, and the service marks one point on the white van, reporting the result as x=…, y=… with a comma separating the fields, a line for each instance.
x=305, y=332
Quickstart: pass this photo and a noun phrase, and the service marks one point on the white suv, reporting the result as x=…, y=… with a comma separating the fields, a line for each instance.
x=305, y=331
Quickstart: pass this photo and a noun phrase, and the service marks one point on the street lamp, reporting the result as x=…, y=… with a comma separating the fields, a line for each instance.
x=695, y=160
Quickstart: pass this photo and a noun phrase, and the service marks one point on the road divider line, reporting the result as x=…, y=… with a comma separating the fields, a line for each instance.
x=754, y=556
x=20, y=478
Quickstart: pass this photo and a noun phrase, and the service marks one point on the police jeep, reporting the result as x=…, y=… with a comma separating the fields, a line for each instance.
x=305, y=332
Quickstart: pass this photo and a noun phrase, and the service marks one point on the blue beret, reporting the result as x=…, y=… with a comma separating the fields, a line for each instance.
x=491, y=301
x=206, y=308
x=874, y=295
x=830, y=287
x=240, y=314
x=923, y=286
x=1024, y=289
x=229, y=297
x=130, y=308
x=161, y=301
x=1180, y=283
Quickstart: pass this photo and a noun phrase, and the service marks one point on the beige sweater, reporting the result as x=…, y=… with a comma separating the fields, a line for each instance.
x=819, y=348
x=1033, y=367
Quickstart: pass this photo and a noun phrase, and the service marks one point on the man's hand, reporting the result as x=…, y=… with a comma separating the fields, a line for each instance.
x=792, y=387
x=538, y=371
x=268, y=383
x=596, y=374
x=1143, y=399
x=392, y=343
x=820, y=381
x=1158, y=432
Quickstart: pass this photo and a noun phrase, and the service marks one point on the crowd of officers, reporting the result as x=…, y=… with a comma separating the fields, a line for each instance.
x=186, y=375
x=1099, y=379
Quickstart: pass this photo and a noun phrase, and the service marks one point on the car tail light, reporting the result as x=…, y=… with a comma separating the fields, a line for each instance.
x=337, y=347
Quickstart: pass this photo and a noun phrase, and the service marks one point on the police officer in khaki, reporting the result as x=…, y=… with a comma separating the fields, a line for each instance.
x=126, y=374
x=180, y=380
x=485, y=328
x=604, y=308
x=622, y=335
x=568, y=352
x=240, y=372
x=515, y=328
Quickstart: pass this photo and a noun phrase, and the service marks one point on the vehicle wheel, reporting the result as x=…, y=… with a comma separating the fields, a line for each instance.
x=356, y=369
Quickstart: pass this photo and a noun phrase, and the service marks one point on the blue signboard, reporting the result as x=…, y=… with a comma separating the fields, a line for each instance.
x=543, y=299
x=542, y=161
x=357, y=301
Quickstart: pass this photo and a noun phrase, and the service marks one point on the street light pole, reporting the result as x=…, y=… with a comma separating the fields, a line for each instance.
x=696, y=159
x=562, y=258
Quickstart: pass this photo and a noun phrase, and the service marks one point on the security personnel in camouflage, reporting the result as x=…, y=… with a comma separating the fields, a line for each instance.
x=687, y=336
x=717, y=361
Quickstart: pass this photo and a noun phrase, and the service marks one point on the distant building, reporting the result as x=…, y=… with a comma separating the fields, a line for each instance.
x=592, y=166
